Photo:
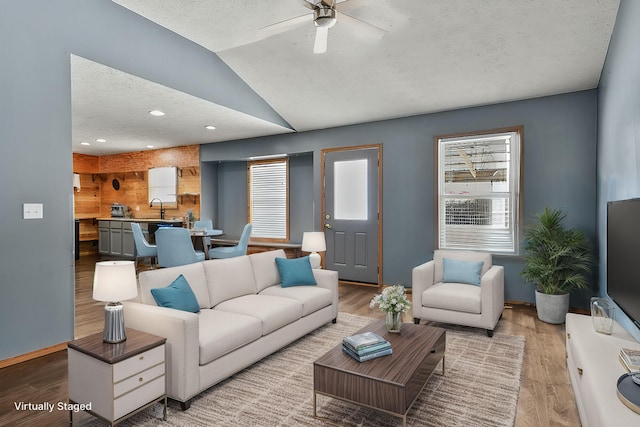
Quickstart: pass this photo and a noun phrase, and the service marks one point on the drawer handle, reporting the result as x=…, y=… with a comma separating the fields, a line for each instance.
x=579, y=371
x=140, y=379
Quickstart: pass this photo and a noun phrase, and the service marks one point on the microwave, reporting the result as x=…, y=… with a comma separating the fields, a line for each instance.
x=118, y=211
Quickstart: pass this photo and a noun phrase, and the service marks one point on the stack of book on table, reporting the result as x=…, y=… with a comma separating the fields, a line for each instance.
x=366, y=346
x=630, y=359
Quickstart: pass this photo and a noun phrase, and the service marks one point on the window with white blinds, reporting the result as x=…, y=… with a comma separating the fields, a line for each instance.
x=268, y=199
x=478, y=191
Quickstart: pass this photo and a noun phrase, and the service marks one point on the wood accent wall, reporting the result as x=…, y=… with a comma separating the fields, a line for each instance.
x=97, y=193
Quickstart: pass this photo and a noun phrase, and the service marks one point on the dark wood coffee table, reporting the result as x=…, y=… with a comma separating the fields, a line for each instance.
x=390, y=383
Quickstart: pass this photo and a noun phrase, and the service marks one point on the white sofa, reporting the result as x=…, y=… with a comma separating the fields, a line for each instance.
x=244, y=316
x=458, y=303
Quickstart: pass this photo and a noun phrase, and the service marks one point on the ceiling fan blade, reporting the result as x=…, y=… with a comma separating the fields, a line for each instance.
x=308, y=4
x=361, y=27
x=283, y=26
x=322, y=34
x=348, y=5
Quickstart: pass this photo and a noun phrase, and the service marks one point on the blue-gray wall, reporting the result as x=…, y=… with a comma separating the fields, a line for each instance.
x=224, y=195
x=559, y=170
x=619, y=127
x=38, y=37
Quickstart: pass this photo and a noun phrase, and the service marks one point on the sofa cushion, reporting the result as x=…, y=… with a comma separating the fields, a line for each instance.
x=163, y=277
x=274, y=312
x=265, y=270
x=177, y=295
x=460, y=271
x=221, y=332
x=295, y=272
x=453, y=296
x=312, y=298
x=229, y=278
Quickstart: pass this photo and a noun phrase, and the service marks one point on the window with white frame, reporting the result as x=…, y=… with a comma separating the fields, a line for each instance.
x=478, y=190
x=268, y=199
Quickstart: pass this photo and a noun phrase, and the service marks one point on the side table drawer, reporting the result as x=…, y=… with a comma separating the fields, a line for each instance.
x=131, y=401
x=138, y=380
x=138, y=363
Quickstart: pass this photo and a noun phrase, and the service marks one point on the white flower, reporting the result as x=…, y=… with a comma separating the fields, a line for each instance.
x=393, y=299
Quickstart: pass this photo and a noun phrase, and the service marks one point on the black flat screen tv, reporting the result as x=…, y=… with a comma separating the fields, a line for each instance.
x=623, y=256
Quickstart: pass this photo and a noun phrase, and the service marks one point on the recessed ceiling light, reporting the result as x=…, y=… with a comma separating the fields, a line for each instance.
x=101, y=140
x=156, y=113
x=149, y=146
x=210, y=127
x=85, y=143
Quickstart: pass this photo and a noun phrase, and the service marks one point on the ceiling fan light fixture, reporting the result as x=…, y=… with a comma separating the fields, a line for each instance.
x=324, y=17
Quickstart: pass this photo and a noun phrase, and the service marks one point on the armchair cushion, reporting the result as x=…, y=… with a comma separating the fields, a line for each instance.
x=453, y=296
x=177, y=295
x=460, y=271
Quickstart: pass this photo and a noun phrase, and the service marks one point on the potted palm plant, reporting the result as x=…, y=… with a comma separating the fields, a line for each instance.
x=557, y=261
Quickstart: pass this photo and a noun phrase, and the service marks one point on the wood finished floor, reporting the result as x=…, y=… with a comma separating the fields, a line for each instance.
x=546, y=398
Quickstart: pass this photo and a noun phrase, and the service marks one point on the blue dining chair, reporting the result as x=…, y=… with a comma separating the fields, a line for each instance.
x=206, y=224
x=175, y=247
x=143, y=248
x=233, y=251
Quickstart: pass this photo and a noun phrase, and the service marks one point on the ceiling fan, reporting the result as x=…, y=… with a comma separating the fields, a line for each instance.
x=325, y=15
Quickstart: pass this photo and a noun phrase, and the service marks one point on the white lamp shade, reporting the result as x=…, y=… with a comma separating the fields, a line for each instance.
x=76, y=181
x=313, y=241
x=114, y=281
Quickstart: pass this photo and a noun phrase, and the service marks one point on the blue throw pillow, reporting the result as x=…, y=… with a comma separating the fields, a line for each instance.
x=459, y=271
x=177, y=295
x=295, y=272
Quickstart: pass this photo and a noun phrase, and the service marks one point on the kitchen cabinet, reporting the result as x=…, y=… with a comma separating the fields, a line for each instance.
x=116, y=237
x=104, y=246
x=128, y=244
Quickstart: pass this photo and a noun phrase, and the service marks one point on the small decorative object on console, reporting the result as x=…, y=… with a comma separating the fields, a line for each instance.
x=630, y=358
x=393, y=301
x=628, y=391
x=602, y=315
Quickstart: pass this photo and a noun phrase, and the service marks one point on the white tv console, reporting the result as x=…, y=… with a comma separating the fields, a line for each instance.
x=594, y=369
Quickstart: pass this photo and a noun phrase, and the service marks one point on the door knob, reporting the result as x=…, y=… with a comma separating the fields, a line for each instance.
x=327, y=226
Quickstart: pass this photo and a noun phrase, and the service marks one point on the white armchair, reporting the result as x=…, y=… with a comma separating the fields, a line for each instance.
x=455, y=302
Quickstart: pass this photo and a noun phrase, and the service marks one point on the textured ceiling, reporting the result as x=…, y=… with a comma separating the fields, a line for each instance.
x=435, y=56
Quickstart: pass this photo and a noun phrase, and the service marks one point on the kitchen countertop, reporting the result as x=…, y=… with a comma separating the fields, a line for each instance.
x=171, y=220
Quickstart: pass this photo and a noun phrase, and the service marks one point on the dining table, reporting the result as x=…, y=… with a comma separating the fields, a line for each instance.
x=199, y=238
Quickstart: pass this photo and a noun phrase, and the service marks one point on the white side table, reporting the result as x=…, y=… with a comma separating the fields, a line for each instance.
x=115, y=381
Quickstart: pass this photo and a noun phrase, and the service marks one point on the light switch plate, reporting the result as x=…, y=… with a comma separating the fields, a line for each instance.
x=32, y=211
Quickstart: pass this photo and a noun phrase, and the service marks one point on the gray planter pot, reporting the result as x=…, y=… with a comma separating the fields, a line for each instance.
x=552, y=308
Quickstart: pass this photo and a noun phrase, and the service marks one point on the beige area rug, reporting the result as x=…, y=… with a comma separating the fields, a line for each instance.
x=480, y=387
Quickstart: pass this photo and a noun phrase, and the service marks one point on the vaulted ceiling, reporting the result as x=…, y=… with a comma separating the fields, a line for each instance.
x=432, y=56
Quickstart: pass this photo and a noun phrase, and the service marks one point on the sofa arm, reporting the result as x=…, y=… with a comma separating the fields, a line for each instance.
x=328, y=279
x=180, y=328
x=492, y=295
x=421, y=279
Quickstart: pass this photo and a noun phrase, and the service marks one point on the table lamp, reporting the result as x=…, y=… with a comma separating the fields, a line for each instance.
x=314, y=242
x=114, y=281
